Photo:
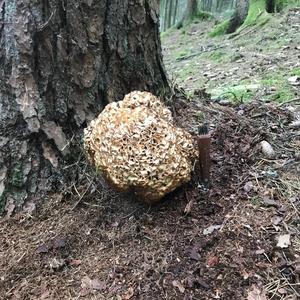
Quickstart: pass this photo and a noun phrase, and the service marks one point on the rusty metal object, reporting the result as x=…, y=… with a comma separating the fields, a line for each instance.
x=204, y=144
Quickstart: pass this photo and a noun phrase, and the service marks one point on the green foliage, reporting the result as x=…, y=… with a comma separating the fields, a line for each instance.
x=281, y=4
x=220, y=29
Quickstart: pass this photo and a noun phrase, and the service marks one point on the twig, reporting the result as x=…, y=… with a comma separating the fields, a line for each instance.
x=42, y=27
x=80, y=196
x=289, y=101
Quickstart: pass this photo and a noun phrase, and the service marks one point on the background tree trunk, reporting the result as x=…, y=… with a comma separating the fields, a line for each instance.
x=61, y=63
x=190, y=11
x=239, y=16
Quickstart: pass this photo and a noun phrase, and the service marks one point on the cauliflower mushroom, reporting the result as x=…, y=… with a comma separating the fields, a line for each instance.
x=136, y=147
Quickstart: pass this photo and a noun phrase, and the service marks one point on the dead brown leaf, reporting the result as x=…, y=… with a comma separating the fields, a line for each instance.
x=91, y=284
x=178, y=284
x=129, y=294
x=256, y=294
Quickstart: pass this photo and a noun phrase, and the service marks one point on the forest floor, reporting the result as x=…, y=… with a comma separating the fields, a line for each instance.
x=256, y=64
x=238, y=240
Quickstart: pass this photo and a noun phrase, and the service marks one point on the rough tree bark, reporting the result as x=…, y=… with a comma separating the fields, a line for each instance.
x=61, y=62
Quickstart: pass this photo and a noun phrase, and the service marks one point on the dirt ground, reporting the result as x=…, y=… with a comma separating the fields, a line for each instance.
x=239, y=239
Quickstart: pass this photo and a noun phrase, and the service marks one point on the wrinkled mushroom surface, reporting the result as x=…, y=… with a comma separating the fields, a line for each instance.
x=136, y=147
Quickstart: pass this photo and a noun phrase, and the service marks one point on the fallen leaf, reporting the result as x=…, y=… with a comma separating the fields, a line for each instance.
x=297, y=267
x=75, y=262
x=129, y=294
x=212, y=261
x=44, y=248
x=56, y=263
x=92, y=284
x=211, y=229
x=188, y=207
x=179, y=285
x=276, y=220
x=256, y=294
x=59, y=243
x=269, y=202
x=45, y=295
x=194, y=254
x=283, y=241
x=248, y=186
x=29, y=207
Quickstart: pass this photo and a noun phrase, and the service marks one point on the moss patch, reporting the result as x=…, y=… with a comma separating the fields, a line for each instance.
x=257, y=9
x=167, y=33
x=279, y=83
x=243, y=92
x=295, y=71
x=220, y=29
x=182, y=53
x=217, y=56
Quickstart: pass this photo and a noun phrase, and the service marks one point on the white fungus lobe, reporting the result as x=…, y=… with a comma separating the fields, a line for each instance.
x=137, y=148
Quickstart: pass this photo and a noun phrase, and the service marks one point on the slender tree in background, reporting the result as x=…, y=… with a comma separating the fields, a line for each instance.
x=190, y=12
x=61, y=63
x=169, y=10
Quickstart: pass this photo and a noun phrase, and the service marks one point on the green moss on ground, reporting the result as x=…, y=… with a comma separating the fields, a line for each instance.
x=241, y=93
x=217, y=56
x=167, y=33
x=220, y=29
x=182, y=53
x=279, y=82
x=295, y=71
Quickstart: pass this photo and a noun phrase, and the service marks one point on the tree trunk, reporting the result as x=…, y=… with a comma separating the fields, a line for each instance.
x=61, y=63
x=190, y=12
x=239, y=16
x=175, y=9
x=170, y=11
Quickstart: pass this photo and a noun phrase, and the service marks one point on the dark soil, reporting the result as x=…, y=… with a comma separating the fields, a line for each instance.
x=91, y=243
